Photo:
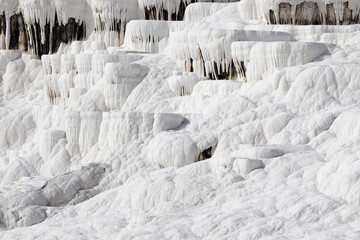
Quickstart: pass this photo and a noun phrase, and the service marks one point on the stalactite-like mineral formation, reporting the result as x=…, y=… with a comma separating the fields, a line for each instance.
x=169, y=10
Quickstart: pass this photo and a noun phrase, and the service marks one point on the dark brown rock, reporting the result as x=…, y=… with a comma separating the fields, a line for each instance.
x=330, y=14
x=272, y=17
x=348, y=15
x=18, y=37
x=16, y=28
x=285, y=13
x=2, y=24
x=54, y=35
x=28, y=37
x=308, y=13
x=72, y=31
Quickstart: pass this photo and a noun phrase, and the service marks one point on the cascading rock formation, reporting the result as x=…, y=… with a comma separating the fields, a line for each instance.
x=179, y=119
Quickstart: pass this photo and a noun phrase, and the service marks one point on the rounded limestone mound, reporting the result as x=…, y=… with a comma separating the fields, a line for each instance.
x=172, y=149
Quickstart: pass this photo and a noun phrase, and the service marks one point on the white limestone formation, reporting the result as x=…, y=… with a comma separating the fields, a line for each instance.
x=253, y=60
x=150, y=36
x=48, y=140
x=111, y=17
x=242, y=121
x=120, y=79
x=200, y=10
x=183, y=85
x=207, y=52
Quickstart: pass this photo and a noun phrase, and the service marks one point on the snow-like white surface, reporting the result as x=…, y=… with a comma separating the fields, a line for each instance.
x=183, y=85
x=198, y=11
x=100, y=142
x=260, y=58
x=120, y=79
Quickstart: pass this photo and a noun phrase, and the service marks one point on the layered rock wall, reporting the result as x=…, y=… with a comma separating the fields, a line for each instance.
x=300, y=12
x=40, y=27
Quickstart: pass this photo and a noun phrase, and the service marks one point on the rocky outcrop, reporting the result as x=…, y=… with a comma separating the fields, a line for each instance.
x=13, y=32
x=313, y=13
x=41, y=26
x=169, y=10
x=54, y=35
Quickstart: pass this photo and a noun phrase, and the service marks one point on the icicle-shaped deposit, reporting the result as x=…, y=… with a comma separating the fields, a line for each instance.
x=66, y=71
x=168, y=10
x=150, y=36
x=253, y=60
x=183, y=85
x=52, y=22
x=208, y=52
x=111, y=17
x=12, y=26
